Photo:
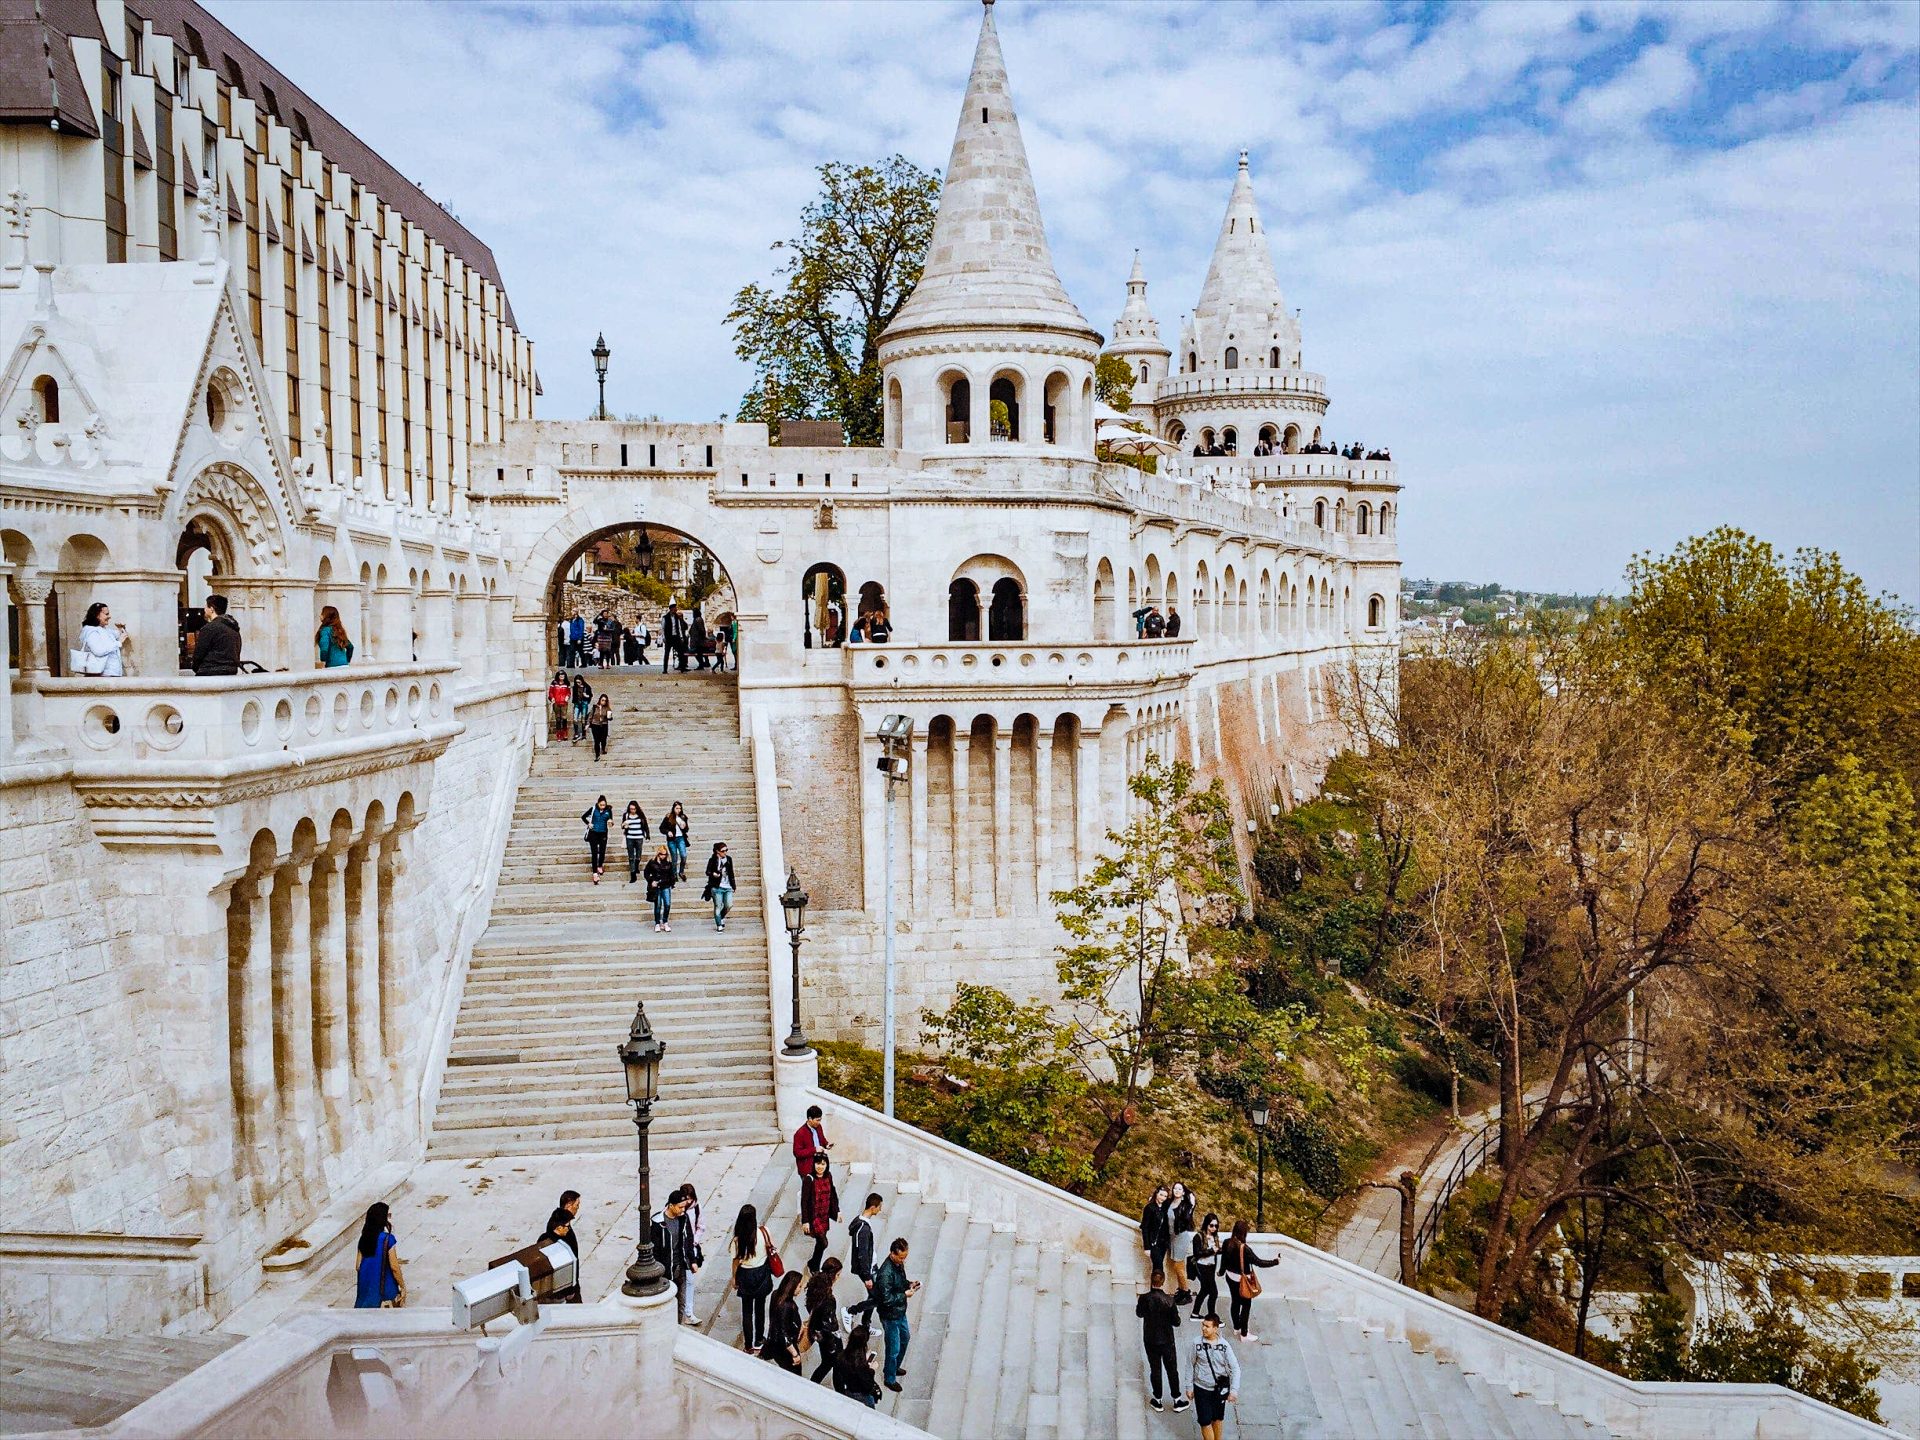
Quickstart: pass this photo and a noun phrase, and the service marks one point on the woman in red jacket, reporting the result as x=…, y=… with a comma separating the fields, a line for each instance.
x=560, y=697
x=819, y=1208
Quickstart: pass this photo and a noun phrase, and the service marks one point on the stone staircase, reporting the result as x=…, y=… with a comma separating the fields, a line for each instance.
x=1017, y=1339
x=75, y=1384
x=553, y=981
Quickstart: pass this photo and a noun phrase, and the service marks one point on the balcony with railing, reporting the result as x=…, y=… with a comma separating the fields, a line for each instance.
x=1300, y=384
x=1015, y=665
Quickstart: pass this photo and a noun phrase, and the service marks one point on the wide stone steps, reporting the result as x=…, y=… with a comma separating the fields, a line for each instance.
x=50, y=1385
x=1018, y=1340
x=552, y=983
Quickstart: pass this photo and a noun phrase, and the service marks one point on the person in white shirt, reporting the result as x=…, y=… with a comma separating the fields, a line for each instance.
x=101, y=643
x=1216, y=1378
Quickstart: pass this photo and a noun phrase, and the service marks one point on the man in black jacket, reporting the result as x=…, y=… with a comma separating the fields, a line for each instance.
x=673, y=1248
x=1158, y=1317
x=216, y=647
x=861, y=1260
x=1173, y=622
x=673, y=638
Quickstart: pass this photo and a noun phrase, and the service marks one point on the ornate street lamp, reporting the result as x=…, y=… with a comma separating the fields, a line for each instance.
x=1260, y=1192
x=600, y=354
x=793, y=901
x=640, y=1058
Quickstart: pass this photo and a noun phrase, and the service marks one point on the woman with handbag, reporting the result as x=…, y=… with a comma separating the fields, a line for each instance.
x=756, y=1264
x=1216, y=1378
x=1239, y=1267
x=786, y=1332
x=379, y=1284
x=661, y=873
x=101, y=642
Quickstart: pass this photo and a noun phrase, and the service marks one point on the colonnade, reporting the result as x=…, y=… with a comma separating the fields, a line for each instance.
x=316, y=1000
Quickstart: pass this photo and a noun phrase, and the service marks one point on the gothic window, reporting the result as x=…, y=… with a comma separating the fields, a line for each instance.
x=46, y=396
x=1233, y=357
x=1143, y=372
x=963, y=612
x=1376, y=612
x=1320, y=514
x=1007, y=613
x=1273, y=357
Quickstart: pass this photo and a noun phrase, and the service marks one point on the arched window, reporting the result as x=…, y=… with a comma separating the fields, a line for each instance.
x=1059, y=402
x=1340, y=516
x=1176, y=432
x=1363, y=519
x=1376, y=612
x=963, y=612
x=1273, y=358
x=46, y=399
x=1386, y=518
x=1193, y=361
x=959, y=408
x=1003, y=408
x=1207, y=439
x=1290, y=440
x=1143, y=372
x=823, y=598
x=1269, y=437
x=1233, y=357
x=1320, y=514
x=873, y=602
x=1230, y=440
x=1007, y=612
x=894, y=407
x=1103, y=606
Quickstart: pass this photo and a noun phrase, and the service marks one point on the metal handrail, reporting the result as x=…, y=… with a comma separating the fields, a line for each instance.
x=1466, y=1164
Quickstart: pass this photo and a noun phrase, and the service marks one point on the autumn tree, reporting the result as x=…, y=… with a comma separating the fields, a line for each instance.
x=813, y=338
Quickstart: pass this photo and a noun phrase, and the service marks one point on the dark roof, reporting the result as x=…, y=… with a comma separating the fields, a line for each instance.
x=39, y=81
x=811, y=434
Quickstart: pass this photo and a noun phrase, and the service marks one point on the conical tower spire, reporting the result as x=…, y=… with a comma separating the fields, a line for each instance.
x=1136, y=321
x=1241, y=275
x=988, y=264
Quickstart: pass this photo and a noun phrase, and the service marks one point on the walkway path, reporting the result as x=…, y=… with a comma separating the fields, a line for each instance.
x=551, y=988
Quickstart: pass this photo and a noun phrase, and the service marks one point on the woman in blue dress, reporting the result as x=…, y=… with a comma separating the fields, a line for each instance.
x=380, y=1283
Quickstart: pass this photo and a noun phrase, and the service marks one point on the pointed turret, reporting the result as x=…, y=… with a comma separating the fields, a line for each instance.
x=1241, y=308
x=1136, y=334
x=988, y=263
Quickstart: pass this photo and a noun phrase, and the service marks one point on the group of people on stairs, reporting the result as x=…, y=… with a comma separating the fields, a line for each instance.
x=1177, y=1246
x=668, y=867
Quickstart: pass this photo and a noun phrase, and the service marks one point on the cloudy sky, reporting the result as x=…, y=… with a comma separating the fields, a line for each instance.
x=1602, y=276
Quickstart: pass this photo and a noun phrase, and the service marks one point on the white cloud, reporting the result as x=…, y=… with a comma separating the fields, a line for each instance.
x=1581, y=339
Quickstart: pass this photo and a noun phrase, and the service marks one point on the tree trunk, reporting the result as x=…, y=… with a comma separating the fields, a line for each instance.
x=1513, y=1105
x=1110, y=1138
x=1409, y=1187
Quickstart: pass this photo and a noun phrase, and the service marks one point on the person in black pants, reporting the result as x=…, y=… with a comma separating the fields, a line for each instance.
x=861, y=1260
x=1155, y=1228
x=1159, y=1317
x=752, y=1276
x=1205, y=1265
x=673, y=638
x=1237, y=1264
x=782, y=1345
x=597, y=818
x=823, y=1321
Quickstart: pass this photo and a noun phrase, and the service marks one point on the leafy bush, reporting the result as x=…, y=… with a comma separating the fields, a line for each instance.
x=1769, y=1347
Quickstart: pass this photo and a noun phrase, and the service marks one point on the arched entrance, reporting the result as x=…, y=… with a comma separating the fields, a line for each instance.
x=823, y=598
x=609, y=595
x=204, y=557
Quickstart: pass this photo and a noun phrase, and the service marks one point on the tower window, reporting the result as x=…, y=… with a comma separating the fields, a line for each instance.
x=983, y=114
x=1233, y=358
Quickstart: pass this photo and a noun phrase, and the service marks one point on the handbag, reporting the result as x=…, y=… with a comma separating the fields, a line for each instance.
x=82, y=661
x=775, y=1265
x=1249, y=1284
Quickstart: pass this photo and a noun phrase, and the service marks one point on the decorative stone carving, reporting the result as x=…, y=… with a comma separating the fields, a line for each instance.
x=236, y=493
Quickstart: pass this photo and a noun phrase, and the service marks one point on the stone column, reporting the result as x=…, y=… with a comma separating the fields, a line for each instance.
x=979, y=418
x=293, y=1017
x=6, y=694
x=474, y=613
x=257, y=1101
x=1086, y=801
x=393, y=867
x=330, y=989
x=393, y=626
x=917, y=800
x=500, y=659
x=436, y=623
x=962, y=822
x=1001, y=831
x=35, y=660
x=1042, y=816
x=363, y=963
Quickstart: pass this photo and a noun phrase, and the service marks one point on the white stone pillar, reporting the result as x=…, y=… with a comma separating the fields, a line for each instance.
x=1086, y=803
x=293, y=1019
x=330, y=991
x=500, y=631
x=436, y=623
x=393, y=628
x=257, y=1102
x=363, y=963
x=6, y=690
x=917, y=798
x=392, y=868
x=962, y=822
x=1000, y=832
x=1042, y=816
x=474, y=613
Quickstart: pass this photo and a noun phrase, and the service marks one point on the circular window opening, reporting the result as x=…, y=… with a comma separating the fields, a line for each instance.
x=392, y=706
x=250, y=722
x=413, y=702
x=99, y=727
x=165, y=726
x=223, y=405
x=433, y=700
x=316, y=714
x=283, y=718
x=998, y=661
x=340, y=711
x=366, y=709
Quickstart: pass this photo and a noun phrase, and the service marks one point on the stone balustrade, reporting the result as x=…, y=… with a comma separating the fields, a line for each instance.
x=1304, y=383
x=1017, y=666
x=1278, y=469
x=227, y=726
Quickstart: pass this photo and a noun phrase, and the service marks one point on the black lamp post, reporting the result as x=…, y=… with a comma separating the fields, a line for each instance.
x=1260, y=1142
x=600, y=354
x=793, y=901
x=640, y=1058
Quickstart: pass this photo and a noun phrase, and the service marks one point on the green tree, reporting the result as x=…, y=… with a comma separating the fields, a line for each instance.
x=649, y=588
x=1113, y=382
x=813, y=338
x=1769, y=1347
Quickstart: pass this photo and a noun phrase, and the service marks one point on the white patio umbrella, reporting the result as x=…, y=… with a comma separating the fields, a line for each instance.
x=1124, y=440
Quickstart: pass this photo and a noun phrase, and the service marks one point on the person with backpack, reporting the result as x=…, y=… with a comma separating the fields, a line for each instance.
x=598, y=818
x=819, y=1208
x=1239, y=1267
x=754, y=1259
x=633, y=825
x=674, y=1248
x=1216, y=1378
x=1159, y=1316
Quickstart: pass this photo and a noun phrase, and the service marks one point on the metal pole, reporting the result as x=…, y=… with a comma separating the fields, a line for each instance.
x=1260, y=1191
x=887, y=1072
x=603, y=398
x=796, y=1037
x=646, y=1276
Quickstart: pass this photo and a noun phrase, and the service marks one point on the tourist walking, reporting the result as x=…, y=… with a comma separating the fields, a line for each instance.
x=1205, y=1265
x=570, y=1202
x=560, y=700
x=808, y=1141
x=577, y=641
x=673, y=1248
x=598, y=719
x=675, y=830
x=216, y=644
x=560, y=1230
x=101, y=643
x=642, y=637
x=633, y=825
x=1179, y=1240
x=823, y=1321
x=1240, y=1267
x=697, y=640
x=379, y=1282
x=752, y=1276
x=879, y=627
x=782, y=1345
x=689, y=1203
x=1153, y=1229
x=1159, y=1317
x=673, y=638
x=891, y=1291
x=860, y=1257
x=629, y=646
x=330, y=641
x=660, y=875
x=719, y=883
x=1216, y=1378
x=819, y=1208
x=853, y=1376
x=582, y=703
x=597, y=817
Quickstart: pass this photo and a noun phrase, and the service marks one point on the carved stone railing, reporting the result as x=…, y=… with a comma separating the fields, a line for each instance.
x=1016, y=665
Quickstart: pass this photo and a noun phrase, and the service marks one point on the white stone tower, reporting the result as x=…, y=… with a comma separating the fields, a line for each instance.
x=1136, y=336
x=989, y=353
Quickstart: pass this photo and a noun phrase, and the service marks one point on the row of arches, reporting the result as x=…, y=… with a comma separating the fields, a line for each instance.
x=1366, y=519
x=1009, y=407
x=1270, y=439
x=1229, y=605
x=1230, y=358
